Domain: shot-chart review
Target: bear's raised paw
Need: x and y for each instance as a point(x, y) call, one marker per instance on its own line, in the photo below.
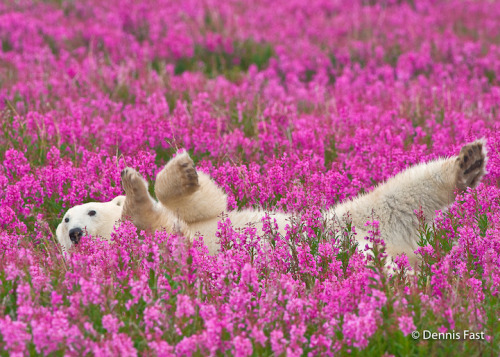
point(177, 179)
point(471, 163)
point(189, 176)
point(134, 185)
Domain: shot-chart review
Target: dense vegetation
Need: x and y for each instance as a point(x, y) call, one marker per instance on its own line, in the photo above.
point(288, 104)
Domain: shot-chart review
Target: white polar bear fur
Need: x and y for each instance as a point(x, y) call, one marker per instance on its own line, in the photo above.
point(190, 203)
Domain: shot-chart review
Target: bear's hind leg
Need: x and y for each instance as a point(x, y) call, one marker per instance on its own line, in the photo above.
point(177, 179)
point(192, 196)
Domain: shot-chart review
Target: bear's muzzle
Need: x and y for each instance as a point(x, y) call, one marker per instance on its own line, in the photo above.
point(75, 234)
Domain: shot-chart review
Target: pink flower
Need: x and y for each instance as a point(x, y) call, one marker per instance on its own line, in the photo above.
point(242, 346)
point(111, 323)
point(278, 343)
point(406, 325)
point(15, 335)
point(184, 306)
point(358, 329)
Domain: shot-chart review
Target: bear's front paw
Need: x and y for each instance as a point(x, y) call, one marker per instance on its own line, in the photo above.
point(471, 163)
point(132, 182)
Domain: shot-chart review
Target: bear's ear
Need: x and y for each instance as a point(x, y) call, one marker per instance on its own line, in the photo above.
point(119, 201)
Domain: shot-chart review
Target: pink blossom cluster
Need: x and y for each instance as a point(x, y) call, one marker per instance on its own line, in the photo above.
point(288, 105)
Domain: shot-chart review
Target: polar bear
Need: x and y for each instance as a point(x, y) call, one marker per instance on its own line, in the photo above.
point(191, 204)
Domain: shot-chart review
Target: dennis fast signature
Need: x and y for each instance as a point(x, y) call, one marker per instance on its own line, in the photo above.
point(453, 335)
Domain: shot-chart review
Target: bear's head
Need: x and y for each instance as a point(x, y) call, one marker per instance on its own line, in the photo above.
point(93, 218)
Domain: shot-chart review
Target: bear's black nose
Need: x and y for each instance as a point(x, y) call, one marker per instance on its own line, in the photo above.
point(75, 235)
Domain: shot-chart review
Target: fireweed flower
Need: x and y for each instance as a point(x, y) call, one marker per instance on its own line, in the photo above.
point(184, 307)
point(406, 325)
point(14, 335)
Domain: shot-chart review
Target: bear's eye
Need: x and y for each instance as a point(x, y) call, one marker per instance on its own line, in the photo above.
point(66, 219)
point(92, 213)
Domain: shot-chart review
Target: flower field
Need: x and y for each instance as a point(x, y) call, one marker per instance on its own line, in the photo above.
point(290, 105)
